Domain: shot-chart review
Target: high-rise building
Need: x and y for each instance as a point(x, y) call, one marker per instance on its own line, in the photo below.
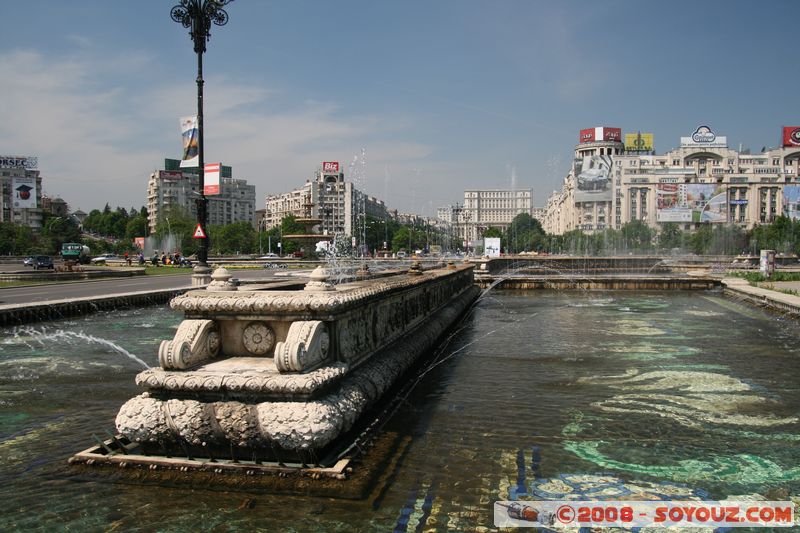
point(21, 198)
point(328, 197)
point(175, 186)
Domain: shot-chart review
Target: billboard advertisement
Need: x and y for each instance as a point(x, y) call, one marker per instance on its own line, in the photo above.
point(170, 175)
point(593, 176)
point(330, 167)
point(642, 142)
point(23, 191)
point(16, 161)
point(191, 141)
point(600, 134)
point(704, 136)
point(791, 136)
point(691, 202)
point(791, 201)
point(491, 246)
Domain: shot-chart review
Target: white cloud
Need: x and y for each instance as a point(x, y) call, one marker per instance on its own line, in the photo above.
point(98, 138)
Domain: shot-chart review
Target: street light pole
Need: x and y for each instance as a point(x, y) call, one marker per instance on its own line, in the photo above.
point(198, 16)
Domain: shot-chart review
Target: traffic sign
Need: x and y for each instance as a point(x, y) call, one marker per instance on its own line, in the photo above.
point(199, 233)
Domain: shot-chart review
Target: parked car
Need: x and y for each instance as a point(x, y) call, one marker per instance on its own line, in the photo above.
point(43, 261)
point(105, 257)
point(28, 261)
point(269, 256)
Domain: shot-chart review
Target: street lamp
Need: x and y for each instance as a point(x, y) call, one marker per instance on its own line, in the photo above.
point(198, 15)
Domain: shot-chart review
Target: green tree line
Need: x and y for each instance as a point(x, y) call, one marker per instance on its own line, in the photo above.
point(110, 230)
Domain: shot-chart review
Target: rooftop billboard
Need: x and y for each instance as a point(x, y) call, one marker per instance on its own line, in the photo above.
point(791, 136)
point(600, 134)
point(705, 137)
point(639, 142)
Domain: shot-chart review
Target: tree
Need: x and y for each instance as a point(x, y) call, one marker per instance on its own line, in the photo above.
point(637, 235)
point(671, 236)
point(525, 233)
point(700, 240)
point(238, 237)
point(58, 230)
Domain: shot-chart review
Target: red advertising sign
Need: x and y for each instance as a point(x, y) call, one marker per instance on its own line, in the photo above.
point(601, 134)
point(170, 175)
point(330, 167)
point(612, 134)
point(791, 136)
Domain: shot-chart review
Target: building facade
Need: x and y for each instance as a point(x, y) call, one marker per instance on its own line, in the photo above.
point(703, 180)
point(484, 209)
point(175, 186)
point(327, 197)
point(21, 198)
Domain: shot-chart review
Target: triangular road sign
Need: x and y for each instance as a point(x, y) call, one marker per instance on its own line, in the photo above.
point(199, 233)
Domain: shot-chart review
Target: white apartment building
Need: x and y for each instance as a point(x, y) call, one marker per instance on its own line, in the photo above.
point(702, 180)
point(174, 186)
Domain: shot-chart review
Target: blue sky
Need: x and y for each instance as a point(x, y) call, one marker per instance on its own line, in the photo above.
point(442, 95)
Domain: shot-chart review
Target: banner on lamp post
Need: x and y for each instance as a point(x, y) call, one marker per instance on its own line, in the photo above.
point(211, 181)
point(191, 141)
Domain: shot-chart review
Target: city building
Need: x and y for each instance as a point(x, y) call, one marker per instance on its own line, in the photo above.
point(21, 198)
point(484, 209)
point(175, 186)
point(703, 180)
point(55, 206)
point(328, 197)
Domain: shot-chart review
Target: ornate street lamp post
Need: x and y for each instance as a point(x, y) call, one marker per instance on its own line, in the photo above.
point(198, 15)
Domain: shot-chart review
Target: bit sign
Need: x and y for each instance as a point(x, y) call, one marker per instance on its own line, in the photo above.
point(330, 167)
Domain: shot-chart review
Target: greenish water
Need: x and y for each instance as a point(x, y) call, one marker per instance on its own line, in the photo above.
point(552, 395)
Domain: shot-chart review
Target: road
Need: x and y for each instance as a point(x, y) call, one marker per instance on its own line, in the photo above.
point(108, 287)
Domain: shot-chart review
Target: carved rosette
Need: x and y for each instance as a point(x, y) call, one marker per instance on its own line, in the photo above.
point(306, 347)
point(258, 338)
point(194, 342)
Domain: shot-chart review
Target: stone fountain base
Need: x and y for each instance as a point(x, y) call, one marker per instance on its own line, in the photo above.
point(258, 382)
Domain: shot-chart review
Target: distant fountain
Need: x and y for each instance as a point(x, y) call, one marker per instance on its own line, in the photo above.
point(167, 244)
point(309, 238)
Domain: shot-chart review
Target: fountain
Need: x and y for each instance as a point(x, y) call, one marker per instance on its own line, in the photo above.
point(270, 383)
point(309, 238)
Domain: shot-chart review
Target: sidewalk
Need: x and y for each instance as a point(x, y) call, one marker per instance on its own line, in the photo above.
point(763, 297)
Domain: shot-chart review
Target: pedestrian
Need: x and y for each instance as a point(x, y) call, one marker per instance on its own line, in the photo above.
point(164, 259)
point(141, 258)
point(154, 260)
point(127, 258)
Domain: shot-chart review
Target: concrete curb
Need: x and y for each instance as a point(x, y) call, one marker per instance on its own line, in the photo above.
point(776, 301)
